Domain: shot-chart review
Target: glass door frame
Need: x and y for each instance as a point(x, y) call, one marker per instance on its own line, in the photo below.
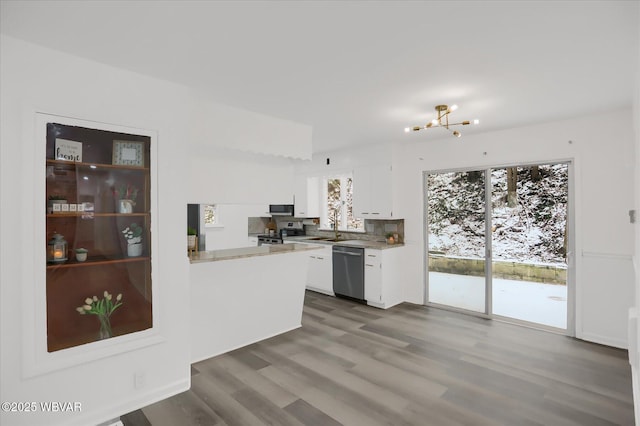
point(488, 313)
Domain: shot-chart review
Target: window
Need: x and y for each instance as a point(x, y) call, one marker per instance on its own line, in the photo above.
point(210, 215)
point(338, 208)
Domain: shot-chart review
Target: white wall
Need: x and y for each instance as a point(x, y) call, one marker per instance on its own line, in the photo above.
point(241, 157)
point(602, 154)
point(634, 351)
point(233, 229)
point(35, 79)
point(233, 128)
point(220, 175)
point(344, 160)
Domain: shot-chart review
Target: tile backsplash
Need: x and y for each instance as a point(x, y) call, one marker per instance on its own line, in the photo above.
point(256, 225)
point(375, 230)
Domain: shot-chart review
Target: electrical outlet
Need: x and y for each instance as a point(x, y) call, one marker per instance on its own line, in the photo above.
point(139, 379)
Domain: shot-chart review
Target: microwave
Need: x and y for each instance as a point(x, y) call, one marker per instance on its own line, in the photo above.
point(281, 209)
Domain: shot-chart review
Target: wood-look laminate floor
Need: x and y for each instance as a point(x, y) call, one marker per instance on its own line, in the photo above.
point(351, 364)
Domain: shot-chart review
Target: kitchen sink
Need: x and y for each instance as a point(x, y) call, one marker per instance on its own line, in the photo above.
point(327, 239)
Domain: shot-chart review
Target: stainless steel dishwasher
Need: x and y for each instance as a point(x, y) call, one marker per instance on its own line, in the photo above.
point(348, 272)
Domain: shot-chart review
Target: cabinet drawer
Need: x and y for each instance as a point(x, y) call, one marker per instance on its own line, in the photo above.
point(372, 258)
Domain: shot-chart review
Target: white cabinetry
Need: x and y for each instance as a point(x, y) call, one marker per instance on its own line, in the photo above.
point(382, 279)
point(253, 241)
point(319, 272)
point(307, 197)
point(373, 276)
point(372, 196)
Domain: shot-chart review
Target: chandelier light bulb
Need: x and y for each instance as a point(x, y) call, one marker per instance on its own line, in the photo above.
point(443, 120)
point(407, 129)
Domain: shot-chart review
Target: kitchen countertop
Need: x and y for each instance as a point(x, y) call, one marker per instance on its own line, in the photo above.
point(238, 253)
point(377, 245)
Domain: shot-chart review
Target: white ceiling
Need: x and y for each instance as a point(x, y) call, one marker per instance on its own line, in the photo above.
point(359, 72)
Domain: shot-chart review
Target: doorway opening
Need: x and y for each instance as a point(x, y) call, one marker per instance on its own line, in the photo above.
point(497, 243)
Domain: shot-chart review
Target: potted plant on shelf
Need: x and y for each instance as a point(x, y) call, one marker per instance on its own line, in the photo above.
point(81, 254)
point(133, 235)
point(102, 308)
point(191, 237)
point(390, 238)
point(125, 198)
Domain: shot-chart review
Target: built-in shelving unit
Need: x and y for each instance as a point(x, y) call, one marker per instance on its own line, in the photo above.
point(93, 219)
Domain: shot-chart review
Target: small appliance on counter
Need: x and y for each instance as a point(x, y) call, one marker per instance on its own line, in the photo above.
point(292, 229)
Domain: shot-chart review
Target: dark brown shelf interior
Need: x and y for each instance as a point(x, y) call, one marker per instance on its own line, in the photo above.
point(99, 230)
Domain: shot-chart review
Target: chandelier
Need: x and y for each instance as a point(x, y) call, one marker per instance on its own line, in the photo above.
point(443, 121)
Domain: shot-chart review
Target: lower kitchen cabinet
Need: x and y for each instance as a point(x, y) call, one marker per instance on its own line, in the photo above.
point(382, 285)
point(319, 272)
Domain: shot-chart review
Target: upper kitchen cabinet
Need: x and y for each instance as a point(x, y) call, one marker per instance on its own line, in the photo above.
point(372, 197)
point(307, 197)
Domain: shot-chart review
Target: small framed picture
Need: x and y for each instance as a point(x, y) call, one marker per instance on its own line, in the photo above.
point(73, 207)
point(57, 208)
point(64, 207)
point(128, 153)
point(67, 150)
point(81, 207)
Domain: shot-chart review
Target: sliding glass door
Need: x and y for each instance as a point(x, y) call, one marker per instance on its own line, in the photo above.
point(529, 243)
point(456, 239)
point(497, 241)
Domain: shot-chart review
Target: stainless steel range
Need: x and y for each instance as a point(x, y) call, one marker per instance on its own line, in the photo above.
point(265, 239)
point(288, 229)
point(292, 229)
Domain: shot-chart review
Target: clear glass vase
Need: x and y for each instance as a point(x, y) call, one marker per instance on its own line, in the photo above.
point(105, 327)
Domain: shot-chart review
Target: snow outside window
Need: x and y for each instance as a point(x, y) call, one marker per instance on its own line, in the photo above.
point(210, 215)
point(338, 208)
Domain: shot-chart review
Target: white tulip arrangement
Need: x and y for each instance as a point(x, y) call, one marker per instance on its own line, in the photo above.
point(102, 308)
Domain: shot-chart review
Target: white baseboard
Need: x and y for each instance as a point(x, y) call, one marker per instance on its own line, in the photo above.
point(604, 340)
point(317, 290)
point(636, 393)
point(233, 348)
point(106, 413)
point(114, 422)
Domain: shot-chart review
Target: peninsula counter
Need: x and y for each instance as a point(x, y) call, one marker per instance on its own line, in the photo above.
point(241, 296)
